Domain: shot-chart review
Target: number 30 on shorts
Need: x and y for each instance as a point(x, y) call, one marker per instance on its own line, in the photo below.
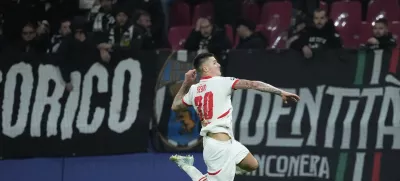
point(205, 105)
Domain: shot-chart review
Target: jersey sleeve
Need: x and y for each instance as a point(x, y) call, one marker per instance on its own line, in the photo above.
point(229, 82)
point(187, 98)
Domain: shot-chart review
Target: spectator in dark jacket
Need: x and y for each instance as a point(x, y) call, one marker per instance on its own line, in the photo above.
point(382, 38)
point(249, 39)
point(30, 40)
point(156, 13)
point(207, 38)
point(125, 37)
point(63, 32)
point(295, 31)
point(103, 20)
point(319, 36)
point(144, 27)
point(77, 52)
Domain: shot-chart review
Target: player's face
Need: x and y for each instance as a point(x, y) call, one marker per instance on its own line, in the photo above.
point(379, 30)
point(212, 67)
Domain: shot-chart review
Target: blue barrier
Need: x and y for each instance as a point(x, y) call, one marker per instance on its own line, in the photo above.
point(134, 167)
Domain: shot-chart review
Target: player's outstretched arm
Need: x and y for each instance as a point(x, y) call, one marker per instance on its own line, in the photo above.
point(264, 87)
point(178, 105)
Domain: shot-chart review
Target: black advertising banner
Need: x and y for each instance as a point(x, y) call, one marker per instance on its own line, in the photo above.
point(345, 128)
point(105, 113)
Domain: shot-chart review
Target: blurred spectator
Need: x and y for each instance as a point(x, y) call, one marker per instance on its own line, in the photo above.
point(295, 32)
point(92, 5)
point(248, 38)
point(17, 12)
point(102, 20)
point(30, 41)
point(156, 13)
point(78, 51)
point(43, 28)
point(207, 38)
point(28, 36)
point(58, 38)
point(144, 27)
point(319, 36)
point(121, 35)
point(382, 38)
point(96, 6)
point(125, 37)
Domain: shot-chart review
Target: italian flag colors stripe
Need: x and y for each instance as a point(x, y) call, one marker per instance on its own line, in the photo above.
point(359, 80)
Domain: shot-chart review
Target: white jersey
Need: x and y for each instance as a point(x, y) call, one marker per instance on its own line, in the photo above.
point(211, 98)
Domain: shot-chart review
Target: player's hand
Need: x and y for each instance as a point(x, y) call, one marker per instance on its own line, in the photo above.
point(190, 76)
point(287, 96)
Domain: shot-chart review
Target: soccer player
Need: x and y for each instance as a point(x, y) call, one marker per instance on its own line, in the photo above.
point(211, 98)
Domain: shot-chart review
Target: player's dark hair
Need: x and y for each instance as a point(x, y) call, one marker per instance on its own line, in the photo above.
point(199, 60)
point(383, 21)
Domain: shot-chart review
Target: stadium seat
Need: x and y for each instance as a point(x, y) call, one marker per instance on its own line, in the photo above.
point(394, 28)
point(323, 5)
point(276, 14)
point(229, 33)
point(180, 14)
point(377, 9)
point(177, 36)
point(277, 18)
point(251, 11)
point(346, 16)
point(205, 10)
point(352, 40)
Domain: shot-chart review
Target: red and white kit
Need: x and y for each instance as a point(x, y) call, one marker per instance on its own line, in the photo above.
point(211, 98)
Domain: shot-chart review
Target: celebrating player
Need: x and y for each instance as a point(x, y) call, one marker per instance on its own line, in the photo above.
point(211, 98)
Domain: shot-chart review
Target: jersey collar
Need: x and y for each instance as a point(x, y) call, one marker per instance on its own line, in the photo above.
point(205, 77)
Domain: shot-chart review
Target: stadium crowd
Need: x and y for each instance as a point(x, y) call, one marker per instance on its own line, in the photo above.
point(72, 30)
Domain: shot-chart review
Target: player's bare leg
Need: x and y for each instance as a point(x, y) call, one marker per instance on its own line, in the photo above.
point(248, 164)
point(186, 164)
